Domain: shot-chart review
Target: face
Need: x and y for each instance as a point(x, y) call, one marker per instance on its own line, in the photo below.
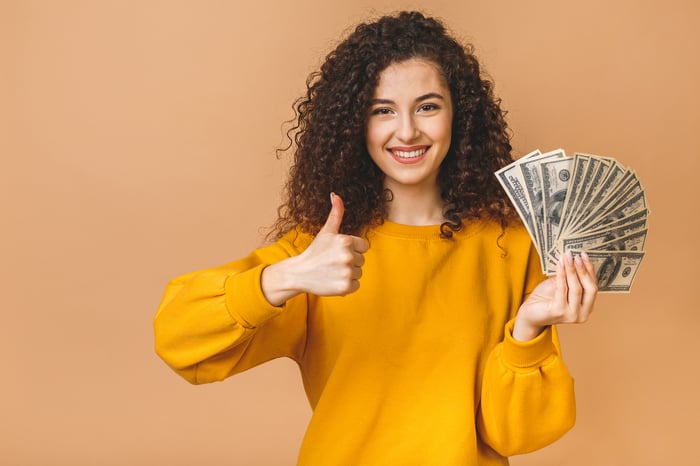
point(409, 126)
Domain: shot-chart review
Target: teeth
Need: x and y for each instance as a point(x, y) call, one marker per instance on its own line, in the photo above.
point(410, 155)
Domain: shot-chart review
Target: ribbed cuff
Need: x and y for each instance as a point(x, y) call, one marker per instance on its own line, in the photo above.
point(245, 300)
point(527, 354)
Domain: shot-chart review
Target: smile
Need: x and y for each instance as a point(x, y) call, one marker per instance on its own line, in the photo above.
point(408, 154)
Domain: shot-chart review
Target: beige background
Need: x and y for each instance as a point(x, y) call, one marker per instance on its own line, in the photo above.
point(137, 142)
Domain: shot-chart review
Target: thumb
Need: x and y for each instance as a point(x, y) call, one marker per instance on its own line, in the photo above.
point(335, 217)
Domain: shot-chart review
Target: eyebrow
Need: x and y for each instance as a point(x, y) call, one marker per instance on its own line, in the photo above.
point(429, 95)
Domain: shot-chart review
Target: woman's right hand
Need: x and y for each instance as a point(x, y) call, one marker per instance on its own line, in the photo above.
point(330, 266)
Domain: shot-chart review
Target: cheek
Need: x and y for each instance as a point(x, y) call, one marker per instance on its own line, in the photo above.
point(447, 133)
point(374, 136)
point(441, 130)
point(447, 126)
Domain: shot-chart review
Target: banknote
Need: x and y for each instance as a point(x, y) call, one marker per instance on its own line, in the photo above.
point(556, 175)
point(625, 237)
point(530, 169)
point(615, 270)
point(614, 175)
point(628, 186)
point(582, 203)
point(579, 164)
point(629, 207)
point(511, 178)
point(595, 172)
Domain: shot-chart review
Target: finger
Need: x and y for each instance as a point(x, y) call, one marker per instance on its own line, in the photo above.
point(360, 244)
point(356, 273)
point(586, 272)
point(335, 217)
point(561, 290)
point(588, 264)
point(359, 260)
point(590, 286)
point(573, 284)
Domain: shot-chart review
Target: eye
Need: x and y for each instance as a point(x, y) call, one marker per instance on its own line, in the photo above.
point(382, 111)
point(428, 107)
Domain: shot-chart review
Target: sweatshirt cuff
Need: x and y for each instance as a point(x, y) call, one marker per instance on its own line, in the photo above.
point(245, 300)
point(527, 354)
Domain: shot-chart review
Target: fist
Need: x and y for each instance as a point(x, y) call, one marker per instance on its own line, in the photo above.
point(332, 264)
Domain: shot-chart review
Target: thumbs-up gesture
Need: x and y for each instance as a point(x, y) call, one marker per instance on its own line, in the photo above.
point(333, 262)
point(330, 266)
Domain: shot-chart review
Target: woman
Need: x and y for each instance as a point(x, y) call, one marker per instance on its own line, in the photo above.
point(415, 308)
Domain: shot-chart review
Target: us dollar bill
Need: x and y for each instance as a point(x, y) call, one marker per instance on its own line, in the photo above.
point(615, 270)
point(579, 163)
point(632, 202)
point(581, 203)
point(609, 184)
point(620, 193)
point(533, 187)
point(595, 172)
point(556, 176)
point(631, 242)
point(625, 237)
point(584, 182)
point(511, 178)
point(625, 221)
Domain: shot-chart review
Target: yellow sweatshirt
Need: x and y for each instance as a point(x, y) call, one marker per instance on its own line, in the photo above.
point(417, 367)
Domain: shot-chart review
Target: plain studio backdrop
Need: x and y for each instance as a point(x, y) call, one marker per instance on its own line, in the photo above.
point(138, 143)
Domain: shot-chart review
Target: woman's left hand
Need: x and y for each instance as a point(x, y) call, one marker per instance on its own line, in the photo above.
point(567, 297)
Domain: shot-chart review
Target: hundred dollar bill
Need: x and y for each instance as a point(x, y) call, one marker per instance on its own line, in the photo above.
point(583, 220)
point(581, 203)
point(595, 172)
point(533, 187)
point(625, 237)
point(631, 189)
point(511, 178)
point(629, 233)
point(584, 183)
point(615, 270)
point(626, 182)
point(556, 175)
point(630, 203)
point(579, 165)
point(631, 242)
point(625, 222)
point(609, 184)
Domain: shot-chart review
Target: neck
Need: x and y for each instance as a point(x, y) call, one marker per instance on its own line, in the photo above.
point(413, 206)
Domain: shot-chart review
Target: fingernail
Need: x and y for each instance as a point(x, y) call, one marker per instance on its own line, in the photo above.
point(577, 259)
point(584, 255)
point(569, 258)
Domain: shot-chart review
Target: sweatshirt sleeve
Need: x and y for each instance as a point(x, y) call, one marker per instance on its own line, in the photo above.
point(216, 322)
point(527, 399)
point(527, 393)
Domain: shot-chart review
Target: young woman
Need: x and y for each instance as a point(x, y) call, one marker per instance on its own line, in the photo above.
point(401, 281)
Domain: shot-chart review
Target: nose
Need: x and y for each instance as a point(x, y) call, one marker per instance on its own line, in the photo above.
point(407, 130)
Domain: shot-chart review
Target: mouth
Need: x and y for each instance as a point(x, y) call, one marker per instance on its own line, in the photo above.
point(408, 154)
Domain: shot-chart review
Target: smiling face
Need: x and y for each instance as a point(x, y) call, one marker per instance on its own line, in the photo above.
point(409, 126)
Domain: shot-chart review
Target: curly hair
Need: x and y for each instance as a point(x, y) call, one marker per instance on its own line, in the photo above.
point(327, 135)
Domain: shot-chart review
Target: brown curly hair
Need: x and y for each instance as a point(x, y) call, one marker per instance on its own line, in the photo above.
point(330, 154)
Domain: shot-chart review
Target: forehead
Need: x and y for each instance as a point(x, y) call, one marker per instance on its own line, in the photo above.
point(414, 76)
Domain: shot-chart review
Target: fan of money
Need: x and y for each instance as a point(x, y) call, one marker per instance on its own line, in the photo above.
point(581, 203)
